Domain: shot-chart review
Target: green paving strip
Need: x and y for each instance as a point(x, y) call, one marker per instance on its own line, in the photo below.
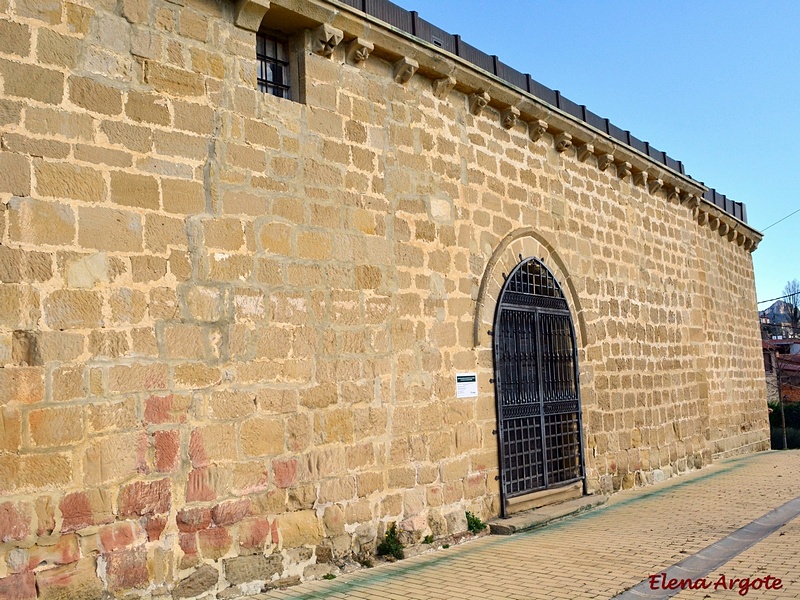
point(442, 557)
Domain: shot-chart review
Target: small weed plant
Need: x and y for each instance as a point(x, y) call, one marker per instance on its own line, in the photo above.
point(428, 539)
point(474, 523)
point(391, 544)
point(329, 576)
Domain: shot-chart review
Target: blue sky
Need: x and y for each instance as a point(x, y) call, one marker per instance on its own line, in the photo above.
point(714, 84)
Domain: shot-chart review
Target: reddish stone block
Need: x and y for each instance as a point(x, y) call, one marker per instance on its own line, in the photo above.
point(76, 511)
point(119, 536)
point(199, 488)
point(77, 580)
point(154, 526)
point(188, 543)
point(15, 521)
point(214, 543)
point(166, 409)
point(254, 533)
point(18, 587)
point(229, 513)
point(82, 509)
point(167, 446)
point(197, 450)
point(145, 498)
point(63, 552)
point(193, 519)
point(285, 472)
point(126, 569)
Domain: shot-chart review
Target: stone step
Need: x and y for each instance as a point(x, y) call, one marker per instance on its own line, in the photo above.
point(539, 517)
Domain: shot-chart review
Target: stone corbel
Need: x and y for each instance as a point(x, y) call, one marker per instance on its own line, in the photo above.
point(674, 194)
point(359, 50)
point(640, 178)
point(624, 169)
point(443, 86)
point(702, 217)
point(563, 142)
point(723, 228)
point(508, 118)
point(324, 39)
point(404, 69)
point(655, 185)
point(604, 161)
point(250, 13)
point(585, 151)
point(536, 129)
point(690, 200)
point(734, 234)
point(477, 102)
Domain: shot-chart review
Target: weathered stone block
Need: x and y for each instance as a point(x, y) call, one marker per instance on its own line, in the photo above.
point(174, 81)
point(21, 385)
point(183, 197)
point(109, 229)
point(138, 191)
point(230, 513)
point(15, 38)
point(78, 580)
point(261, 436)
point(15, 521)
point(214, 543)
point(244, 569)
point(16, 170)
point(167, 448)
point(202, 580)
point(191, 520)
point(32, 81)
point(254, 533)
point(145, 498)
point(73, 309)
point(114, 457)
point(20, 586)
point(56, 426)
point(299, 529)
point(95, 96)
point(127, 569)
point(52, 48)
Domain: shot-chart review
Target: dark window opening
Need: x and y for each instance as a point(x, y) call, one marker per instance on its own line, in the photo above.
point(272, 54)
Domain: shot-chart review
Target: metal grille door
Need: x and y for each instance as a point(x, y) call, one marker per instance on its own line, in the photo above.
point(536, 384)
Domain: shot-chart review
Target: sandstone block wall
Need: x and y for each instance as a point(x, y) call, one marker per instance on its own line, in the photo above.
point(230, 323)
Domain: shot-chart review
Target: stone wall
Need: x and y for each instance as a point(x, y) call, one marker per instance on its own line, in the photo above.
point(230, 323)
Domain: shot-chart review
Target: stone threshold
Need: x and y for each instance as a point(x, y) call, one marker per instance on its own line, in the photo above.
point(540, 517)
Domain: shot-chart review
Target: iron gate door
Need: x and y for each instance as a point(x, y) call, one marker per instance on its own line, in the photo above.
point(536, 384)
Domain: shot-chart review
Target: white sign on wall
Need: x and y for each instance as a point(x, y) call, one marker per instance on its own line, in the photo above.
point(466, 385)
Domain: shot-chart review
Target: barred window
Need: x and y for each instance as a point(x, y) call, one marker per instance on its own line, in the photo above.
point(273, 65)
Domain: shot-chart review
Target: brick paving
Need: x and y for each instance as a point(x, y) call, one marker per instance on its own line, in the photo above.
point(601, 554)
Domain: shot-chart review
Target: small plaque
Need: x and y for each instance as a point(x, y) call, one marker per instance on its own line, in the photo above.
point(466, 385)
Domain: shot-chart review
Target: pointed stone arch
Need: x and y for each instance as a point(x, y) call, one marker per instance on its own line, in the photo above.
point(517, 245)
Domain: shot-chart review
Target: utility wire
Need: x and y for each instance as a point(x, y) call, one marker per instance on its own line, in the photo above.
point(773, 299)
point(783, 219)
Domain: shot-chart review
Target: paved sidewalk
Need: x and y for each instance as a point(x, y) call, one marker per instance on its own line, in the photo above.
point(603, 553)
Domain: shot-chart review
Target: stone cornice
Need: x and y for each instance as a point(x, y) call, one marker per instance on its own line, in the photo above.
point(567, 132)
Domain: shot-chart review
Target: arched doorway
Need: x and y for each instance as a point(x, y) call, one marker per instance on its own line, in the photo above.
point(536, 385)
